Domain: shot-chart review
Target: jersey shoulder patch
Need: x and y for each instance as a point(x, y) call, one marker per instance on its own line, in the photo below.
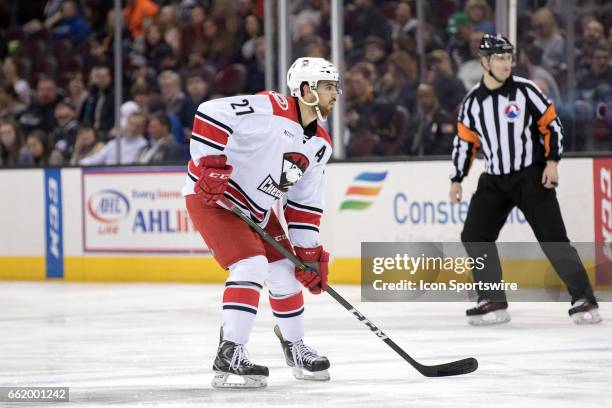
point(282, 105)
point(322, 133)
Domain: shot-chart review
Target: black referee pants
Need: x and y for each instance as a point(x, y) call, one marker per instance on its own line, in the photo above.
point(489, 207)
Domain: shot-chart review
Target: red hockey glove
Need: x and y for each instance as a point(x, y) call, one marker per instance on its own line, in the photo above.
point(214, 177)
point(317, 259)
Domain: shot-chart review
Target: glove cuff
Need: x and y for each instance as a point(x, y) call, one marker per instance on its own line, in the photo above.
point(310, 254)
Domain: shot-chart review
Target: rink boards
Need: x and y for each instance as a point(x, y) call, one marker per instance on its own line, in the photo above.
point(130, 223)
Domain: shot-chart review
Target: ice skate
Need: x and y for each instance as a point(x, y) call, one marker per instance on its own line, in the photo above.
point(585, 312)
point(233, 369)
point(487, 313)
point(306, 364)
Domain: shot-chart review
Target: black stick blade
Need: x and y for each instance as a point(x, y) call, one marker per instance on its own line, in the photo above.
point(459, 367)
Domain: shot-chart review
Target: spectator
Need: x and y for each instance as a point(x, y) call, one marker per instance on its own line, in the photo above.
point(69, 23)
point(140, 95)
point(99, 108)
point(253, 30)
point(531, 58)
point(403, 22)
point(433, 126)
point(592, 34)
point(36, 150)
point(12, 74)
point(364, 19)
point(138, 14)
point(154, 46)
point(449, 89)
point(256, 68)
point(459, 44)
point(170, 87)
point(359, 97)
point(398, 84)
point(470, 72)
point(77, 92)
point(62, 138)
point(548, 38)
point(599, 77)
point(390, 123)
point(219, 44)
point(11, 142)
point(192, 33)
point(86, 145)
point(132, 144)
point(375, 54)
point(480, 15)
point(198, 90)
point(40, 115)
point(163, 148)
point(10, 105)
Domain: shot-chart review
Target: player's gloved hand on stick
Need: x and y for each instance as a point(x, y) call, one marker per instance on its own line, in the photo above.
point(318, 259)
point(214, 178)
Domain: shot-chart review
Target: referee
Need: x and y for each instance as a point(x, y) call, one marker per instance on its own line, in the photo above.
point(521, 136)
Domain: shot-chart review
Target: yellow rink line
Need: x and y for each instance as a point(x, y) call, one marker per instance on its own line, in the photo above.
point(205, 269)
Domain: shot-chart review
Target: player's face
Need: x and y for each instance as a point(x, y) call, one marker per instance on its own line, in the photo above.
point(328, 93)
point(501, 65)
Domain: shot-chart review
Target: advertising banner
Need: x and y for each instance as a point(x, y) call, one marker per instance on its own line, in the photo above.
point(602, 184)
point(135, 210)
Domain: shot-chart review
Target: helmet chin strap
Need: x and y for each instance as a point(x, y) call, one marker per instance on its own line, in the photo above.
point(315, 104)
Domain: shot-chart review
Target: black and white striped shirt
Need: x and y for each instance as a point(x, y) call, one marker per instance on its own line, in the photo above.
point(515, 126)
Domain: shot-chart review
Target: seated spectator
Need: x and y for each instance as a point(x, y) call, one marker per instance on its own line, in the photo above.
point(68, 23)
point(10, 105)
point(99, 108)
point(171, 91)
point(480, 15)
point(434, 128)
point(470, 72)
point(391, 124)
point(12, 74)
point(86, 145)
point(592, 35)
point(192, 32)
point(138, 14)
point(163, 149)
point(41, 114)
point(62, 138)
point(548, 38)
point(256, 69)
point(598, 79)
point(458, 47)
point(359, 97)
point(531, 58)
point(375, 54)
point(77, 91)
point(364, 19)
point(198, 91)
point(449, 89)
point(132, 144)
point(403, 22)
point(11, 141)
point(397, 86)
point(36, 150)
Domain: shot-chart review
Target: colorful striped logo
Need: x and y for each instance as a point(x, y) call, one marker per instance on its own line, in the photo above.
point(363, 190)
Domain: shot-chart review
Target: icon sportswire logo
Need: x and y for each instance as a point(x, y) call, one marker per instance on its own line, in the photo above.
point(363, 190)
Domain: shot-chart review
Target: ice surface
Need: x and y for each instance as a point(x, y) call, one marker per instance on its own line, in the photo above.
point(130, 345)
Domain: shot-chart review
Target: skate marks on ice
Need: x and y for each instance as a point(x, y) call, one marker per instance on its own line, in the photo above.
point(153, 345)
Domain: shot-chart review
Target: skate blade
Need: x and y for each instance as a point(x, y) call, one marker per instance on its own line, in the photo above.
point(220, 381)
point(491, 318)
point(590, 317)
point(301, 374)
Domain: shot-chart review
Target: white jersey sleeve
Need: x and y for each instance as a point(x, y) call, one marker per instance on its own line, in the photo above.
point(304, 202)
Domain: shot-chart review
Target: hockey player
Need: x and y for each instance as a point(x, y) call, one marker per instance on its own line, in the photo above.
point(522, 139)
point(249, 151)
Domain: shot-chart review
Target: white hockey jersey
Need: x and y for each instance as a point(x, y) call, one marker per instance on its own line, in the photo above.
point(272, 155)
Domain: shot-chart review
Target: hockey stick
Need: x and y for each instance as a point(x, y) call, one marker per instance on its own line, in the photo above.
point(465, 366)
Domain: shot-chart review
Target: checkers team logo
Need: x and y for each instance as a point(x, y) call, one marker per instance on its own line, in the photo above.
point(512, 111)
point(363, 190)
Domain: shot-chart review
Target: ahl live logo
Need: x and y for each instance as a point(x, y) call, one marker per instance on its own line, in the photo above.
point(363, 190)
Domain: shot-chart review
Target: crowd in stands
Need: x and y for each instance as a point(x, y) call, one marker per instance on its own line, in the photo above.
point(57, 95)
